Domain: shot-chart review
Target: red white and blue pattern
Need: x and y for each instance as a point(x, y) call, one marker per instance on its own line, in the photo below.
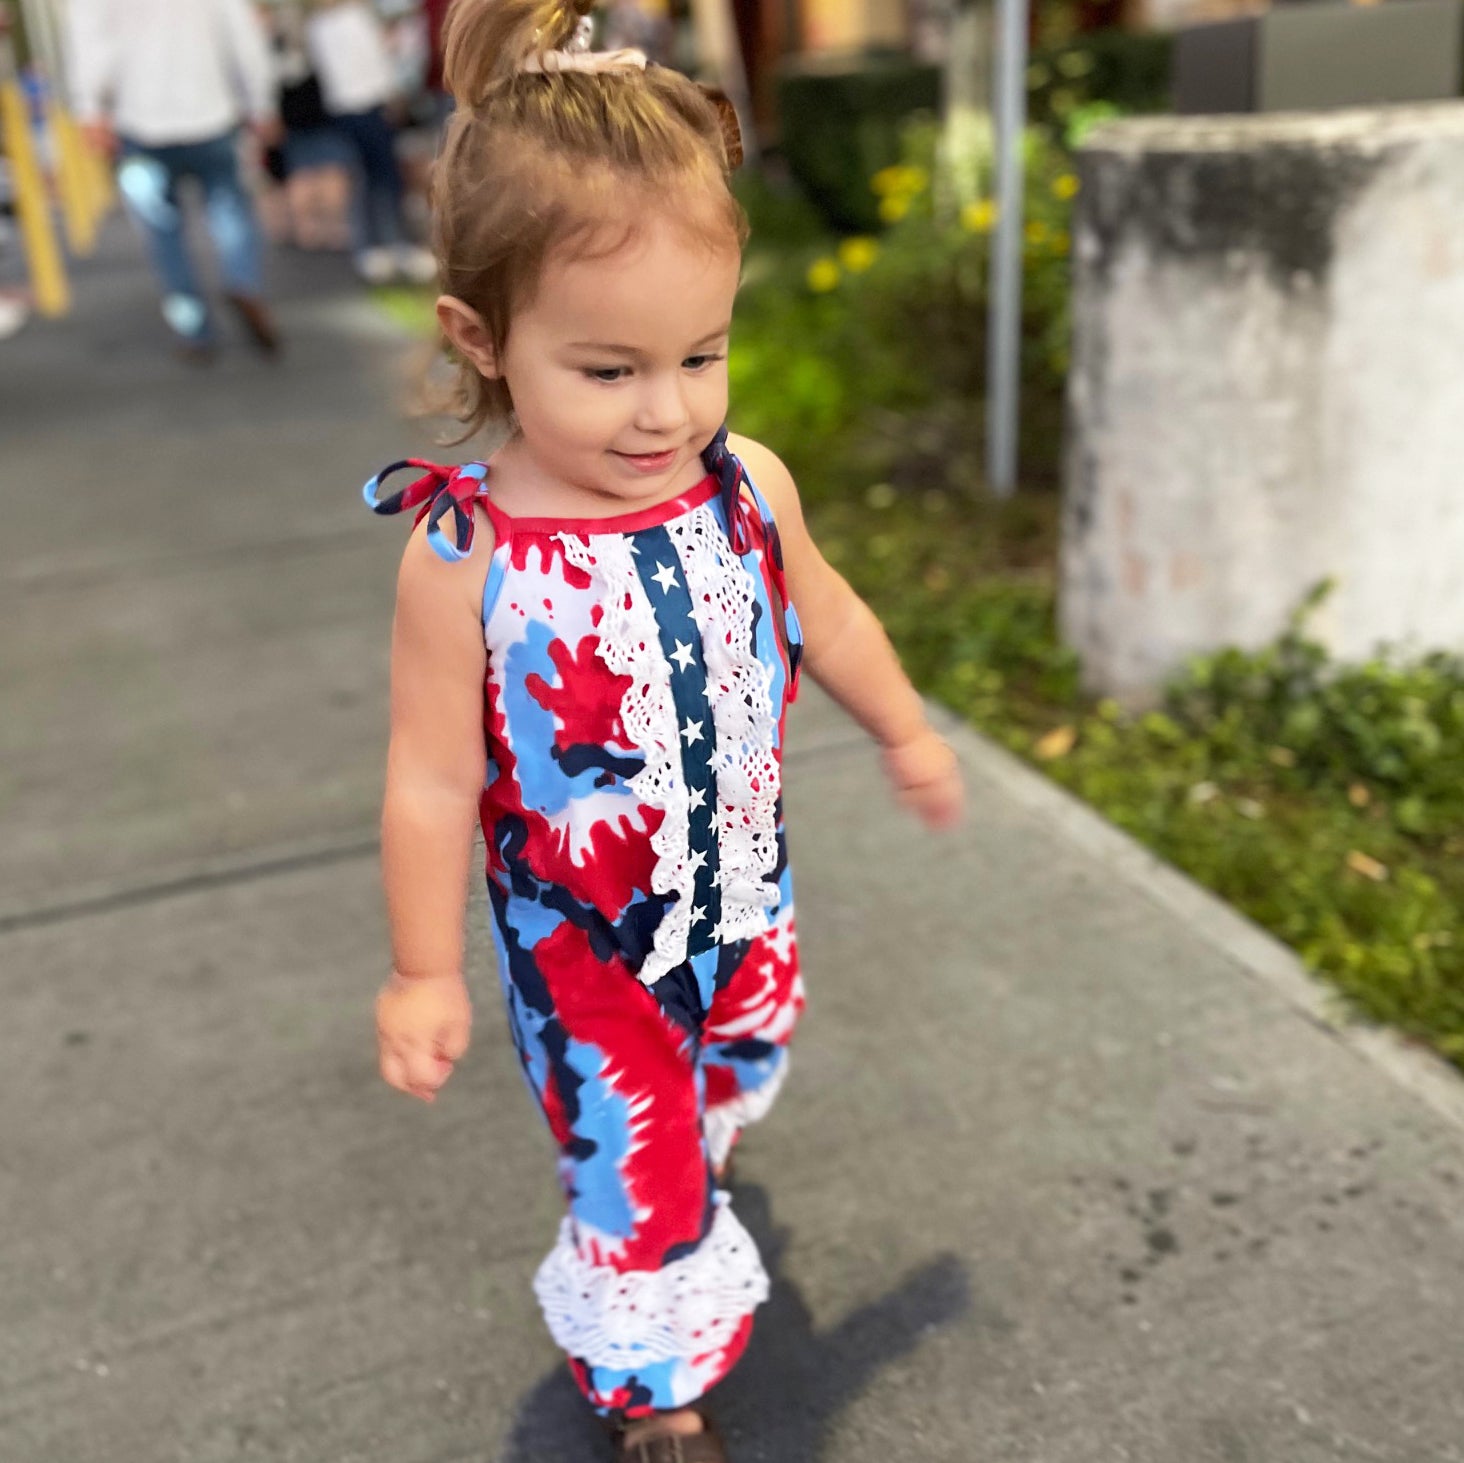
point(639, 669)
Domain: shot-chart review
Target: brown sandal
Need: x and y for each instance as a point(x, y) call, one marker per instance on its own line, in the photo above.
point(703, 1447)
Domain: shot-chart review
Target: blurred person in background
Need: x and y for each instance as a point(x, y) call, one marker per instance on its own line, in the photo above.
point(312, 165)
point(165, 86)
point(15, 305)
point(15, 302)
point(348, 49)
point(434, 12)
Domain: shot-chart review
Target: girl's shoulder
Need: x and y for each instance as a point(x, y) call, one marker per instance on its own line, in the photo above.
point(451, 587)
point(423, 548)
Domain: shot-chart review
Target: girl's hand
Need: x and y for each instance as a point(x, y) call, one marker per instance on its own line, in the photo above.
point(927, 779)
point(422, 1025)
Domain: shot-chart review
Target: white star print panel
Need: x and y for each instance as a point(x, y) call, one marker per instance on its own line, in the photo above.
point(745, 723)
point(741, 726)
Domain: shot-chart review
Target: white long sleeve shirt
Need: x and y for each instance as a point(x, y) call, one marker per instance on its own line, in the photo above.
point(169, 71)
point(352, 60)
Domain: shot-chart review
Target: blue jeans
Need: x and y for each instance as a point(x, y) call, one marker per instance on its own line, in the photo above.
point(149, 179)
point(379, 221)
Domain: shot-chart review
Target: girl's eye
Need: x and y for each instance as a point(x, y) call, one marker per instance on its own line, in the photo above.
point(697, 363)
point(607, 374)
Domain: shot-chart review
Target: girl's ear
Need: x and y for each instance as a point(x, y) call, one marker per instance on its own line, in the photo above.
point(470, 337)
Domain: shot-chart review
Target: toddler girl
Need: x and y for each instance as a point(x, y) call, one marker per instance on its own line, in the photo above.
point(594, 645)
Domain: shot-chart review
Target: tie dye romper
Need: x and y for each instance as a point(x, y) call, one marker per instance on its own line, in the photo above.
point(638, 672)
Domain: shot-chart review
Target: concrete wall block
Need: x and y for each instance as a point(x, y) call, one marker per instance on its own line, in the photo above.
point(1267, 387)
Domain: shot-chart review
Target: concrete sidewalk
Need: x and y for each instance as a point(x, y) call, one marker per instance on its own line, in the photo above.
point(1064, 1172)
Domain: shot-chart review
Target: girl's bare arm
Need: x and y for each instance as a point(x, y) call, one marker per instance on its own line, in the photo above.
point(434, 775)
point(436, 762)
point(848, 653)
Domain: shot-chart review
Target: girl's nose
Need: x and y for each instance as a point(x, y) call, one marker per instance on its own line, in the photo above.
point(662, 406)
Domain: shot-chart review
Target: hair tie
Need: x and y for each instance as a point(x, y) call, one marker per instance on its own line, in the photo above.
point(577, 56)
point(587, 62)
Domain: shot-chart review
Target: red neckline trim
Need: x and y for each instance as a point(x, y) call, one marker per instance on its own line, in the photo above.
point(651, 517)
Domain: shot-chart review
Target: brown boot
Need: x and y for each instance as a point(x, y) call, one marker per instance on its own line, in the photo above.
point(255, 317)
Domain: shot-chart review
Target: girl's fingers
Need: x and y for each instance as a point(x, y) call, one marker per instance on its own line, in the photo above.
point(422, 1028)
point(938, 805)
point(425, 1070)
point(416, 1071)
point(452, 1042)
point(393, 1069)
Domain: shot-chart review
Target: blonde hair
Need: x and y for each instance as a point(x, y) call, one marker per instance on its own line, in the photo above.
point(537, 163)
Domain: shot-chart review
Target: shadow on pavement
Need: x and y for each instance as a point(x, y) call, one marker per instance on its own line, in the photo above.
point(779, 1404)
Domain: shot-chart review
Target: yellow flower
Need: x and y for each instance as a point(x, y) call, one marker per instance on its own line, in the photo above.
point(894, 207)
point(1065, 186)
point(887, 181)
point(856, 255)
point(1057, 743)
point(979, 218)
point(1062, 242)
point(1038, 233)
point(823, 276)
point(900, 180)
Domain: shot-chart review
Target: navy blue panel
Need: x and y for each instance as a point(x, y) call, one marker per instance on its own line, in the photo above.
point(665, 585)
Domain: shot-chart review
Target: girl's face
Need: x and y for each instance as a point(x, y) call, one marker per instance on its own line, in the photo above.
point(618, 369)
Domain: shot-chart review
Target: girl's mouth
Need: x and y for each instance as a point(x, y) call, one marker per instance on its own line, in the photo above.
point(649, 461)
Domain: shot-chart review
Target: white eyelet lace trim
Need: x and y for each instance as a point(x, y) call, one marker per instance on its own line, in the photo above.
point(740, 687)
point(630, 645)
point(721, 1124)
point(690, 1307)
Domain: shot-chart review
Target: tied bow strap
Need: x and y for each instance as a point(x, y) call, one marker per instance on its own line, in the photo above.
point(721, 461)
point(438, 492)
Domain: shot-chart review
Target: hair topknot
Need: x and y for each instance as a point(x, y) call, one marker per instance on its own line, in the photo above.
point(486, 42)
point(535, 163)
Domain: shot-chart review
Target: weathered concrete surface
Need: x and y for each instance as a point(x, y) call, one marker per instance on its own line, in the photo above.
point(1059, 1177)
point(1268, 350)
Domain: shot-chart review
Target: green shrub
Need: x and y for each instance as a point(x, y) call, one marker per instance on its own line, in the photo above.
point(840, 126)
point(835, 336)
point(1113, 73)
